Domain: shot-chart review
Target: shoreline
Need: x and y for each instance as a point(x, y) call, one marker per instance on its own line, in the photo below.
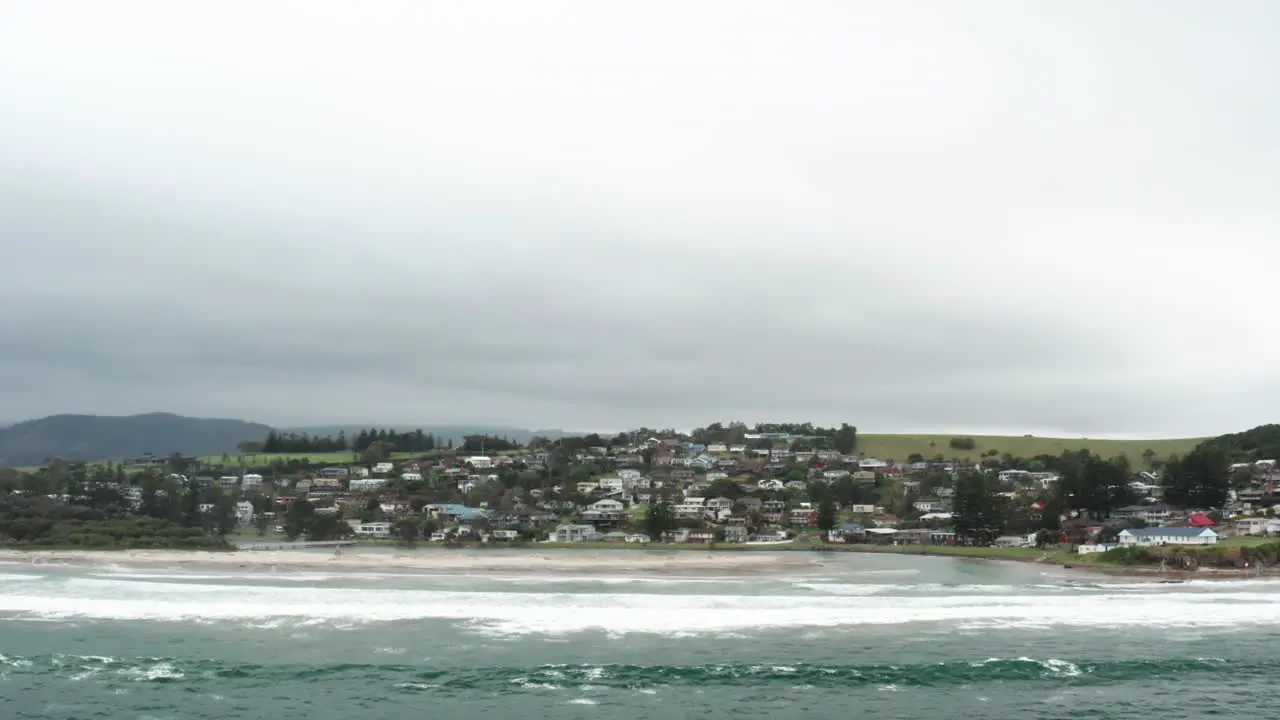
point(428, 559)
point(542, 558)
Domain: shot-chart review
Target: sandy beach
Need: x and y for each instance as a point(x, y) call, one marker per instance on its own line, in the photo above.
point(466, 561)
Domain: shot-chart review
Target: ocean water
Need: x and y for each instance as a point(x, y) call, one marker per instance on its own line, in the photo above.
point(876, 636)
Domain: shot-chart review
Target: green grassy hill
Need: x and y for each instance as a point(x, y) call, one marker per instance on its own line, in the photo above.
point(898, 447)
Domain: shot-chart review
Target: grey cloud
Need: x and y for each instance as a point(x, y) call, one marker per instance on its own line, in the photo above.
point(906, 217)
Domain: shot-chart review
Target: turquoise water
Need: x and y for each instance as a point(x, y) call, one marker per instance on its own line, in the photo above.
point(876, 636)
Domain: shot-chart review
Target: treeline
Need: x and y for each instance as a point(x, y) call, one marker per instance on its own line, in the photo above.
point(98, 514)
point(392, 440)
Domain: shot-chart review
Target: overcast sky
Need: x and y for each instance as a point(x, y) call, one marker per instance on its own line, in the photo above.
point(911, 216)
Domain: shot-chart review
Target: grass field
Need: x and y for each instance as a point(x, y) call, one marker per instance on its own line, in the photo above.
point(899, 447)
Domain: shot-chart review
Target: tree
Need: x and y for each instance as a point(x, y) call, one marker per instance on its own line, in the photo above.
point(846, 438)
point(298, 518)
point(660, 519)
point(378, 451)
point(224, 515)
point(826, 514)
point(1198, 480)
point(408, 532)
point(979, 517)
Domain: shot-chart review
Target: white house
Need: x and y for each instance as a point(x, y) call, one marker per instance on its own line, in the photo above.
point(410, 476)
point(833, 475)
point(928, 505)
point(244, 512)
point(373, 529)
point(608, 506)
point(612, 484)
point(737, 449)
point(719, 503)
point(251, 481)
point(480, 461)
point(717, 448)
point(366, 484)
point(629, 475)
point(770, 484)
point(228, 481)
point(383, 467)
point(1143, 537)
point(872, 464)
point(716, 475)
point(1091, 548)
point(575, 533)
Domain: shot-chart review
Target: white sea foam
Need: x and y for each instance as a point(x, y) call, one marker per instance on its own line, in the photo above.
point(617, 613)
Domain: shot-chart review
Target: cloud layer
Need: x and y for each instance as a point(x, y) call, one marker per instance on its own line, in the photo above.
point(923, 216)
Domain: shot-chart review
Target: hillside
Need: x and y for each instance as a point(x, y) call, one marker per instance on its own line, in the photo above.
point(899, 447)
point(98, 437)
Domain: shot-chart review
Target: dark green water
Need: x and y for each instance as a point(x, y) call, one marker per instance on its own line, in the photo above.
point(874, 636)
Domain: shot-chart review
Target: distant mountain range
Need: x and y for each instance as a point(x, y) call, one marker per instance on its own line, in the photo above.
point(105, 437)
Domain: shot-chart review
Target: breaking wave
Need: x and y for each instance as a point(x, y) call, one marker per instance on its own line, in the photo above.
point(510, 611)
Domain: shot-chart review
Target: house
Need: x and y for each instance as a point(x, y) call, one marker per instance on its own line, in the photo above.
point(411, 476)
point(872, 464)
point(804, 517)
point(1149, 513)
point(608, 506)
point(575, 533)
point(929, 505)
point(737, 449)
point(334, 472)
point(862, 509)
point(251, 481)
point(735, 533)
point(244, 512)
point(373, 529)
point(383, 467)
point(749, 504)
point(1251, 526)
point(717, 448)
point(612, 484)
point(1091, 548)
point(506, 535)
point(842, 533)
point(366, 484)
point(770, 484)
point(714, 476)
point(719, 503)
point(1144, 537)
point(864, 476)
point(228, 481)
point(480, 461)
point(834, 475)
point(691, 509)
point(887, 521)
point(1016, 541)
point(459, 513)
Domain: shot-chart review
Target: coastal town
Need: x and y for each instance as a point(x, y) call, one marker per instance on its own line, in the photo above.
point(797, 486)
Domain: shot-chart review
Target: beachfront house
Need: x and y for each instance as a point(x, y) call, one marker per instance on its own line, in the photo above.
point(373, 529)
point(1145, 537)
point(575, 533)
